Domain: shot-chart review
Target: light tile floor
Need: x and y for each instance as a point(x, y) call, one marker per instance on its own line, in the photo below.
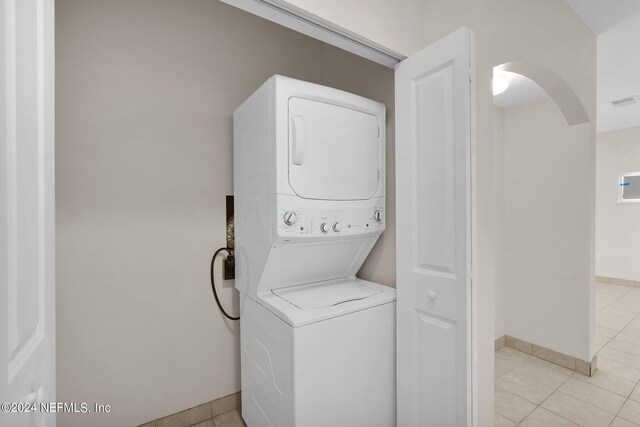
point(532, 392)
point(228, 419)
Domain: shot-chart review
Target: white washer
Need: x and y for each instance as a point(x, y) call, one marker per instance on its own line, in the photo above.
point(317, 344)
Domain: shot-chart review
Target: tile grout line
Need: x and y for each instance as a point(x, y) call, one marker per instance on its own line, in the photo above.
point(621, 406)
point(212, 417)
point(613, 300)
point(602, 388)
point(606, 306)
point(611, 339)
point(536, 404)
point(636, 385)
point(505, 373)
point(618, 332)
point(557, 389)
point(554, 390)
point(615, 336)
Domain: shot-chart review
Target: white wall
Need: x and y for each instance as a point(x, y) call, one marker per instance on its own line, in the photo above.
point(145, 93)
point(543, 262)
point(397, 24)
point(500, 290)
point(617, 224)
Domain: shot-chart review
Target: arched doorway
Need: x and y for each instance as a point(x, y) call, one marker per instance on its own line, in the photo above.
point(544, 293)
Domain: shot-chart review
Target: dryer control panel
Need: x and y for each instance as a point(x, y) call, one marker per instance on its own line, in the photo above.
point(301, 219)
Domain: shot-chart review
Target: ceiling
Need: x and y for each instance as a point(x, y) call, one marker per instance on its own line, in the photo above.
point(603, 15)
point(617, 24)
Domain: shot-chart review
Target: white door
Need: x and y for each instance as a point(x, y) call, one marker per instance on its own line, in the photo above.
point(434, 160)
point(27, 325)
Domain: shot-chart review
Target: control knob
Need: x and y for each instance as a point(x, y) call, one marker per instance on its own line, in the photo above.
point(377, 215)
point(290, 218)
point(324, 227)
point(337, 227)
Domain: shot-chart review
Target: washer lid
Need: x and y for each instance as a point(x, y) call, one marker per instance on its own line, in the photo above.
point(298, 317)
point(326, 294)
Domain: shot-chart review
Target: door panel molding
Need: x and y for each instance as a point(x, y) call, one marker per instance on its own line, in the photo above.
point(435, 224)
point(21, 346)
point(27, 204)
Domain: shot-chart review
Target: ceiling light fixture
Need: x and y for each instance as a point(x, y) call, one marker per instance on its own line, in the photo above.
point(500, 84)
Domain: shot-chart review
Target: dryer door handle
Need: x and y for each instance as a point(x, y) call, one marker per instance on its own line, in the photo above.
point(297, 140)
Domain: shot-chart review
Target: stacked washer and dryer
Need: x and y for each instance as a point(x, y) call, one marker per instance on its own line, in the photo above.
point(317, 343)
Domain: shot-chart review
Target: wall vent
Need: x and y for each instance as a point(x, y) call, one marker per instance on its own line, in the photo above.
point(623, 102)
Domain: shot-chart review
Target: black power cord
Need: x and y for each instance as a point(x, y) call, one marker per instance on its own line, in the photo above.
point(213, 284)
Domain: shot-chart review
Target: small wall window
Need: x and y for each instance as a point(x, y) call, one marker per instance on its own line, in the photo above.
point(629, 191)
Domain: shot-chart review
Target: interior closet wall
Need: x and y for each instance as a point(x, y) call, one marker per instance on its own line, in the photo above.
point(145, 95)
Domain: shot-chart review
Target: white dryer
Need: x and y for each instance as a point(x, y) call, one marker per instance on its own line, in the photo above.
point(317, 343)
